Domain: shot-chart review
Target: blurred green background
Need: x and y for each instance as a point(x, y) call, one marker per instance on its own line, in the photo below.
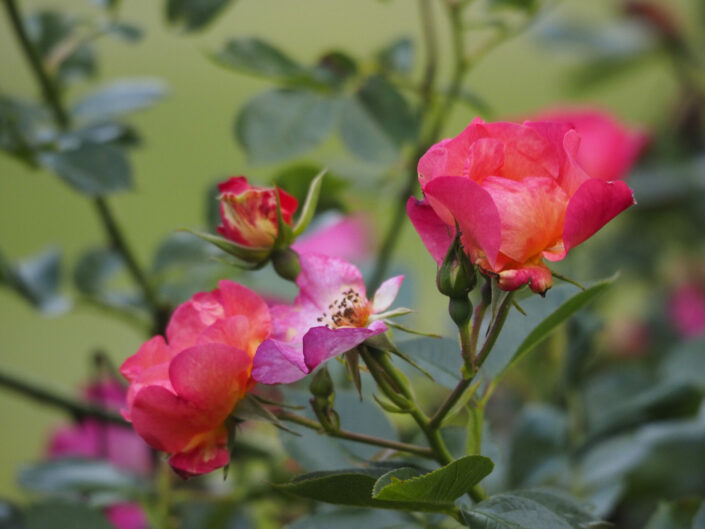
point(188, 143)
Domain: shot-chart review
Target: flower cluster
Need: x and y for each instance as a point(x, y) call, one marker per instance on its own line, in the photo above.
point(518, 193)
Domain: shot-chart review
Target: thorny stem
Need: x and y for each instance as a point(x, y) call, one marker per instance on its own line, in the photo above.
point(356, 437)
point(40, 393)
point(52, 97)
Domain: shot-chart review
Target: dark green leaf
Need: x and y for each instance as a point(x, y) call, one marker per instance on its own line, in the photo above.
point(125, 31)
point(56, 514)
point(351, 519)
point(19, 127)
point(675, 515)
point(93, 169)
point(182, 249)
point(397, 57)
point(256, 57)
point(281, 124)
point(296, 180)
point(193, 15)
point(528, 5)
point(544, 329)
point(377, 122)
point(531, 509)
point(79, 476)
point(439, 357)
point(94, 268)
point(10, 516)
point(442, 486)
point(335, 68)
point(685, 364)
point(118, 98)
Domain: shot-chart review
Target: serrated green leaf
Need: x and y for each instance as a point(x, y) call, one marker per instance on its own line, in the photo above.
point(309, 207)
point(118, 98)
point(531, 509)
point(281, 124)
point(377, 121)
point(194, 15)
point(544, 329)
point(55, 514)
point(440, 487)
point(93, 169)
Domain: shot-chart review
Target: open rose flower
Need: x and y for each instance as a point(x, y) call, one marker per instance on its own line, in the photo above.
point(183, 389)
point(120, 445)
point(249, 213)
point(518, 195)
point(330, 316)
point(607, 148)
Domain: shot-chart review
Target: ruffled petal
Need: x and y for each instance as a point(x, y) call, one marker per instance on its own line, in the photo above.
point(190, 319)
point(241, 301)
point(593, 205)
point(278, 363)
point(386, 294)
point(153, 352)
point(538, 276)
point(322, 279)
point(209, 453)
point(322, 343)
point(473, 208)
point(435, 234)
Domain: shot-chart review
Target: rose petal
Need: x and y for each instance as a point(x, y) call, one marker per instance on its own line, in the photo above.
point(435, 234)
point(347, 238)
point(386, 294)
point(209, 454)
point(538, 276)
point(527, 152)
point(593, 205)
point(322, 279)
point(190, 319)
point(241, 301)
point(474, 210)
point(232, 331)
point(322, 343)
point(278, 363)
point(151, 353)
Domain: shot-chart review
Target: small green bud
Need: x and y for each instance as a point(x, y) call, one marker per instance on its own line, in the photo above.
point(286, 263)
point(322, 384)
point(456, 276)
point(460, 310)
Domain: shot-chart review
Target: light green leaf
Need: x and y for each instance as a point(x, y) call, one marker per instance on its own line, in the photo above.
point(309, 207)
point(118, 98)
point(93, 169)
point(440, 487)
point(531, 509)
point(281, 124)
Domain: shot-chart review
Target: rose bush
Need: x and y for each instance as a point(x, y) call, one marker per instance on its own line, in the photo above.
point(183, 389)
point(518, 195)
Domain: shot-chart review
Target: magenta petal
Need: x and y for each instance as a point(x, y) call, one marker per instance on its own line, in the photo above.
point(386, 294)
point(593, 205)
point(435, 234)
point(322, 343)
point(323, 278)
point(278, 363)
point(474, 210)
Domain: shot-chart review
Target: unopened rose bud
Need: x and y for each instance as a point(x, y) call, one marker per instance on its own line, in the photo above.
point(460, 310)
point(249, 213)
point(286, 263)
point(322, 384)
point(456, 276)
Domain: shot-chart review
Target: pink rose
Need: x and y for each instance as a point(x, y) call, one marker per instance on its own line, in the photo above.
point(248, 213)
point(183, 389)
point(347, 238)
point(686, 309)
point(518, 195)
point(119, 445)
point(607, 149)
point(330, 316)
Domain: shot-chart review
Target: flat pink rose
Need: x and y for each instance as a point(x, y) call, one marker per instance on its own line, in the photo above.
point(249, 213)
point(608, 149)
point(518, 195)
point(183, 389)
point(330, 316)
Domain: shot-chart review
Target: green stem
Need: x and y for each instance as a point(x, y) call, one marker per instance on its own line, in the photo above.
point(163, 507)
point(465, 333)
point(40, 393)
point(495, 329)
point(356, 437)
point(49, 91)
point(52, 98)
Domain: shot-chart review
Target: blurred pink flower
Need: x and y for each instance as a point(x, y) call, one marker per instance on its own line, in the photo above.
point(627, 337)
point(117, 444)
point(686, 309)
point(346, 238)
point(608, 149)
point(330, 316)
point(183, 389)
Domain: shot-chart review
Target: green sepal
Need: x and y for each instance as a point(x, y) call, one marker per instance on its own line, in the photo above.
point(246, 253)
point(309, 208)
point(250, 408)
